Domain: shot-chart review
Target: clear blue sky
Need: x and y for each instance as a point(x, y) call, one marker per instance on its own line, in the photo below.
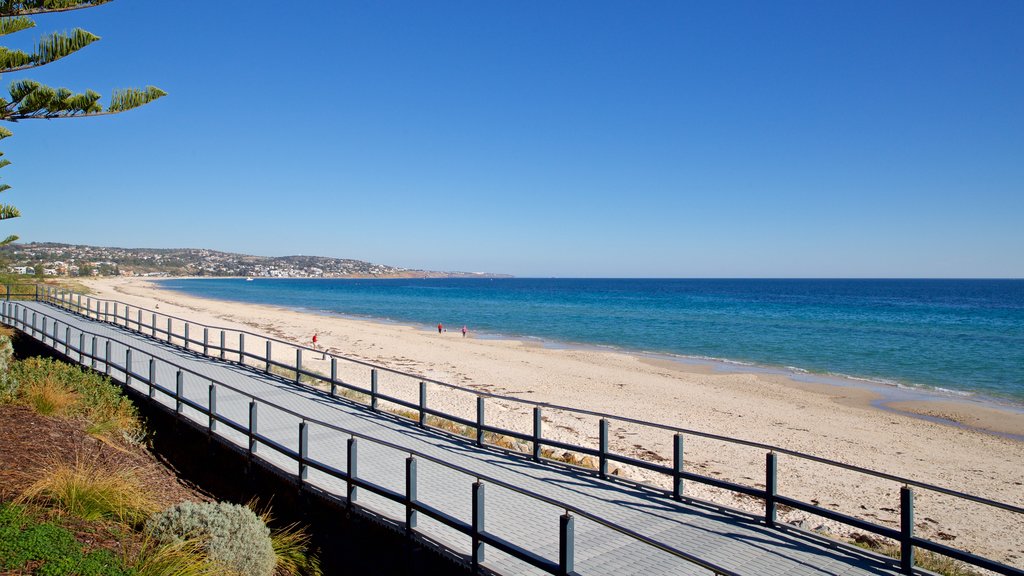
point(584, 138)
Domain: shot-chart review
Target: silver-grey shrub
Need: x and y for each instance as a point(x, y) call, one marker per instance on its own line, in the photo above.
point(237, 538)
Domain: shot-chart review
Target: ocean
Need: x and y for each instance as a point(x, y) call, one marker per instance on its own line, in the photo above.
point(958, 337)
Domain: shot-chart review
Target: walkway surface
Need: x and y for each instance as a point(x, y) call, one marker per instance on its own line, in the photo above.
point(731, 540)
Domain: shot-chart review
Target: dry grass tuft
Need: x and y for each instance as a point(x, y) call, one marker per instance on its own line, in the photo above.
point(292, 546)
point(184, 558)
point(92, 490)
point(50, 397)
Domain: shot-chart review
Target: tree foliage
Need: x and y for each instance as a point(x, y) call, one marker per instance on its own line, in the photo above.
point(33, 100)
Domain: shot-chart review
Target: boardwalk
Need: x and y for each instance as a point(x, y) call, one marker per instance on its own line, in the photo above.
point(733, 541)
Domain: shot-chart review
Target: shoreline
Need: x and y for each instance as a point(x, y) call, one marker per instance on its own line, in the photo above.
point(968, 410)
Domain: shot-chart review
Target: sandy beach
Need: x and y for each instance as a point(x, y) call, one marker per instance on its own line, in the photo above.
point(836, 422)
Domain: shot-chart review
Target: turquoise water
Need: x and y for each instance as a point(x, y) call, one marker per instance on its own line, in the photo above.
point(964, 336)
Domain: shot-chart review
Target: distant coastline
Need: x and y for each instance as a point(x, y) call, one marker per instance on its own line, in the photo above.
point(73, 260)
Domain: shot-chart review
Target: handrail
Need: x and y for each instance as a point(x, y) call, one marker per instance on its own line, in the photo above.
point(126, 370)
point(64, 299)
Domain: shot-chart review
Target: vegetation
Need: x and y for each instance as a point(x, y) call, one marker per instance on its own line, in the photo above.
point(236, 538)
point(26, 541)
point(83, 494)
point(92, 490)
point(30, 99)
point(55, 388)
point(925, 559)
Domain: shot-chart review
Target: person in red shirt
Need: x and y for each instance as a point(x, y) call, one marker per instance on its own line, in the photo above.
point(316, 346)
point(439, 327)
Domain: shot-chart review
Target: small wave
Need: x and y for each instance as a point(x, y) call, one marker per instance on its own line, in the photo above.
point(963, 393)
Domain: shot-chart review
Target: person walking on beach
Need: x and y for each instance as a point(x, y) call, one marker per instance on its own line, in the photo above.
point(316, 346)
point(463, 331)
point(440, 328)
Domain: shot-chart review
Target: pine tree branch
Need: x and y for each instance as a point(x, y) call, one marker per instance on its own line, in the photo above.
point(7, 212)
point(8, 240)
point(30, 7)
point(12, 24)
point(48, 49)
point(32, 100)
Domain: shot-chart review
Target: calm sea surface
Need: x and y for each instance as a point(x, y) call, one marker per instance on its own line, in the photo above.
point(963, 336)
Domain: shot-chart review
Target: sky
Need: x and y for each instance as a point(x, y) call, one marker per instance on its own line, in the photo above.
point(571, 138)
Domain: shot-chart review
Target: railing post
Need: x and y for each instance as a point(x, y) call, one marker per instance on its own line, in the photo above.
point(241, 348)
point(115, 313)
point(252, 427)
point(34, 331)
point(566, 544)
point(373, 389)
point(138, 322)
point(423, 403)
point(352, 466)
point(179, 391)
point(106, 357)
point(298, 365)
point(81, 347)
point(106, 311)
point(410, 495)
point(907, 530)
point(477, 549)
point(602, 447)
point(479, 420)
point(152, 325)
point(206, 341)
point(770, 488)
point(303, 450)
point(152, 378)
point(536, 432)
point(334, 376)
point(223, 344)
point(42, 334)
point(169, 331)
point(677, 467)
point(93, 352)
point(127, 366)
point(268, 358)
point(67, 341)
point(212, 408)
point(187, 340)
point(37, 292)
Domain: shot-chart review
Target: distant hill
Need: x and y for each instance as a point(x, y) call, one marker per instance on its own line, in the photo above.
point(75, 260)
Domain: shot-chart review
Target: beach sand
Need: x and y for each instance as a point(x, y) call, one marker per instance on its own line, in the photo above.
point(834, 422)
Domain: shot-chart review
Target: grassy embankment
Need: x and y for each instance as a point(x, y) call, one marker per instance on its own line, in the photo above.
point(93, 507)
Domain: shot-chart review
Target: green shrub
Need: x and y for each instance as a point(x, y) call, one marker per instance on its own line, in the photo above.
point(49, 549)
point(237, 539)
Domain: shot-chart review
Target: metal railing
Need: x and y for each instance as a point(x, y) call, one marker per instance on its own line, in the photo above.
point(119, 313)
point(94, 350)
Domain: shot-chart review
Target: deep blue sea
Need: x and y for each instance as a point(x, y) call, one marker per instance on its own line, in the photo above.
point(964, 336)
